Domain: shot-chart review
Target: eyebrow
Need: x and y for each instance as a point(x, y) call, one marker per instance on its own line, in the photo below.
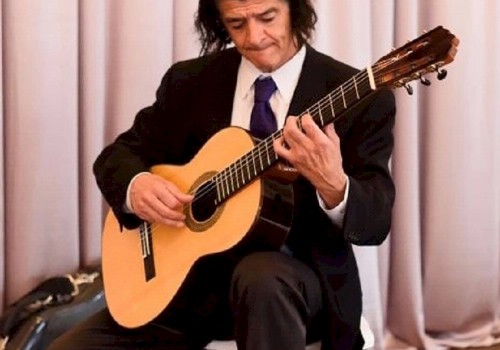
point(230, 19)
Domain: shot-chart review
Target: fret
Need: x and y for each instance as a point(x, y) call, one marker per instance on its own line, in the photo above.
point(237, 176)
point(369, 72)
point(260, 160)
point(242, 172)
point(268, 155)
point(331, 106)
point(227, 186)
point(230, 177)
point(275, 136)
point(248, 168)
point(254, 166)
point(355, 86)
point(227, 174)
point(237, 170)
point(234, 176)
point(343, 96)
point(321, 117)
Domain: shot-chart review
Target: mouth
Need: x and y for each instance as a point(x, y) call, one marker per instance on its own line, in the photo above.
point(257, 48)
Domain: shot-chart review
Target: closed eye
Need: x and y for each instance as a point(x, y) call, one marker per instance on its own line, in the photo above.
point(235, 24)
point(268, 16)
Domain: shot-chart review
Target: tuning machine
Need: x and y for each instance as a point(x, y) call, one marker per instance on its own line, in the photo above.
point(408, 88)
point(441, 73)
point(424, 80)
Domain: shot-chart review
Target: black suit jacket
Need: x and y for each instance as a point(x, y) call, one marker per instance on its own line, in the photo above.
point(194, 101)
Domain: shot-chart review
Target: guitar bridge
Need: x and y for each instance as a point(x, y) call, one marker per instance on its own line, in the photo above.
point(147, 250)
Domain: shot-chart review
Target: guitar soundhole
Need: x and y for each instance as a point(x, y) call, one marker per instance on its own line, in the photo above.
point(204, 205)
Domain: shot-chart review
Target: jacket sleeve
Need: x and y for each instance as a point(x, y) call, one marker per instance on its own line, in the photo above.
point(366, 150)
point(134, 151)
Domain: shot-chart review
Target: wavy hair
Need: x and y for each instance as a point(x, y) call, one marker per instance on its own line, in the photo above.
point(214, 37)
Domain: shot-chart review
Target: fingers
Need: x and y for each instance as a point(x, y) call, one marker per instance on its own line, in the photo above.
point(155, 199)
point(155, 211)
point(330, 132)
point(313, 151)
point(301, 136)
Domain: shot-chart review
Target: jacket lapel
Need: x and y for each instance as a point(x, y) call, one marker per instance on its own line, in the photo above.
point(308, 90)
point(224, 89)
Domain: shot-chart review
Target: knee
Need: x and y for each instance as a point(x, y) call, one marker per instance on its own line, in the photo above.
point(258, 276)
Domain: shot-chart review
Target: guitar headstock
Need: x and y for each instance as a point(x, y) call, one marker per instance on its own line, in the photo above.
point(425, 54)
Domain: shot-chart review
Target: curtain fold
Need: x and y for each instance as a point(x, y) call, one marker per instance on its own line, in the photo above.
point(40, 156)
point(93, 38)
point(75, 73)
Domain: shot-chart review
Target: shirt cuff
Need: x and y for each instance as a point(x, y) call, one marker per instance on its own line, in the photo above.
point(336, 214)
point(127, 206)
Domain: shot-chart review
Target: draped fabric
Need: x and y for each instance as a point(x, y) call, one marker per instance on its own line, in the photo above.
point(74, 73)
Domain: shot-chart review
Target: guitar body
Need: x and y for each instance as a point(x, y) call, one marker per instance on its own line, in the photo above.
point(144, 268)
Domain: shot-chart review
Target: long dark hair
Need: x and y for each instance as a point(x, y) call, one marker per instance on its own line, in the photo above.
point(214, 37)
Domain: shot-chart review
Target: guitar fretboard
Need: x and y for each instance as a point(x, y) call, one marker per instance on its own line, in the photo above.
point(262, 157)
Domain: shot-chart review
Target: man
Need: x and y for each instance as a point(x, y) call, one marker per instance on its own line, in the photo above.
point(310, 288)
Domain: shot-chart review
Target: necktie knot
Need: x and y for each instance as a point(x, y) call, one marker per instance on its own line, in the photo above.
point(264, 89)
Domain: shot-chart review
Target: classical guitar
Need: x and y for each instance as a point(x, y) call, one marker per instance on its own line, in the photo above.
point(234, 201)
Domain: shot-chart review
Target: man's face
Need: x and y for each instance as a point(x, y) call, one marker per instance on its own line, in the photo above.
point(261, 31)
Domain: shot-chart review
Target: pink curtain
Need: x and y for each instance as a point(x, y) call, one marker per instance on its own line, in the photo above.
point(75, 73)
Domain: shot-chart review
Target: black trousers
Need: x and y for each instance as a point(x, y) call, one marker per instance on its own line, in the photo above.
point(267, 300)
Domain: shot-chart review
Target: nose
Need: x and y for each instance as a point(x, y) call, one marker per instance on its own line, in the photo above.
point(254, 33)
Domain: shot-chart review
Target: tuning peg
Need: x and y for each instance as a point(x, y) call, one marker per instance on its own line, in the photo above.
point(408, 88)
point(425, 81)
point(441, 73)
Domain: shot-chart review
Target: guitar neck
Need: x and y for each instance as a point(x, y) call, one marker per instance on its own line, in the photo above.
point(335, 104)
point(263, 156)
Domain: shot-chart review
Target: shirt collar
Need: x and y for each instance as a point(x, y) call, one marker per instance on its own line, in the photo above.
point(285, 77)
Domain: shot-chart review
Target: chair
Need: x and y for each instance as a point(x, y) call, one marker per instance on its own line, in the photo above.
point(365, 330)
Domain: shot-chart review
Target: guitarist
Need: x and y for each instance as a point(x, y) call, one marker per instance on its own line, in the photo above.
point(309, 290)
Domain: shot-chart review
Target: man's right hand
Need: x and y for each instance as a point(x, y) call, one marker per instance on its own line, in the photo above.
point(156, 200)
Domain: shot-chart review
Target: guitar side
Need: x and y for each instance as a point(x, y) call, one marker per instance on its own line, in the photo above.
point(134, 295)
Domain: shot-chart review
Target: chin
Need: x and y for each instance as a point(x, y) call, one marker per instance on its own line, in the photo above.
point(265, 67)
point(265, 61)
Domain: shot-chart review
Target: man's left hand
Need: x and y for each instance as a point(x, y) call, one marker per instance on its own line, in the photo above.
point(315, 153)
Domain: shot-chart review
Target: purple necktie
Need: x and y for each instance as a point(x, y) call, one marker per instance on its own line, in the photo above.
point(263, 121)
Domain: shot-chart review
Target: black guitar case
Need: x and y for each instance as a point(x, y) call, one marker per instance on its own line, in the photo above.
point(53, 307)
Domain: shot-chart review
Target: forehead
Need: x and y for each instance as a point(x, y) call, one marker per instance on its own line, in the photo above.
point(247, 7)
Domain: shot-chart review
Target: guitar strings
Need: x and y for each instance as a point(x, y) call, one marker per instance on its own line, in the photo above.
point(264, 148)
